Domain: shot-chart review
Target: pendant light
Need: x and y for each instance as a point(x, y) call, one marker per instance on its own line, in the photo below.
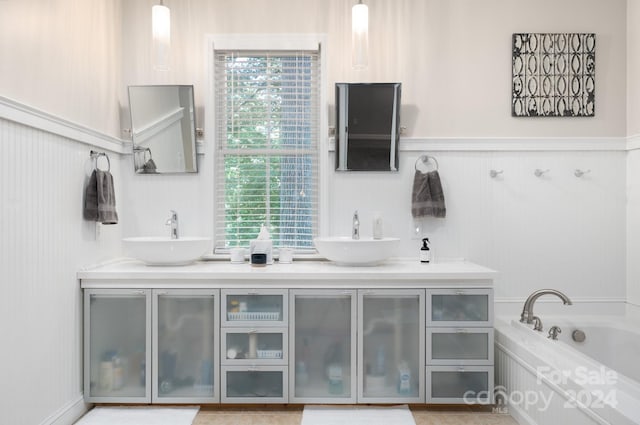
point(161, 32)
point(360, 35)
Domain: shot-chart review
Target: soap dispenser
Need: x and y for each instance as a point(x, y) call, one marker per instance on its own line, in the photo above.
point(261, 248)
point(425, 252)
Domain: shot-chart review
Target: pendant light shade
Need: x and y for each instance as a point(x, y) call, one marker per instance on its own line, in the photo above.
point(161, 32)
point(360, 35)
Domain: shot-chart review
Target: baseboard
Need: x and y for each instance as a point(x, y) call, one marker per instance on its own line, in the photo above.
point(68, 414)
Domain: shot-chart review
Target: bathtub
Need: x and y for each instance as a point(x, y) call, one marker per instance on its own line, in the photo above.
point(543, 382)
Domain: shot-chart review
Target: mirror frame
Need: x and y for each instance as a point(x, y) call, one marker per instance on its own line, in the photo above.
point(143, 160)
point(384, 144)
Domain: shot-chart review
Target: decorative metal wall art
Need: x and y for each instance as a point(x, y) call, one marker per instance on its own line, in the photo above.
point(553, 75)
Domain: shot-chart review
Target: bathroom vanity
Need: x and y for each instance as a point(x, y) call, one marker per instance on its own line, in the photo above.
point(308, 332)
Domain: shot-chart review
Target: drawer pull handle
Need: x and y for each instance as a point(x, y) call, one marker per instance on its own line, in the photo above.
point(252, 331)
point(460, 292)
point(252, 293)
point(461, 369)
point(253, 369)
point(462, 331)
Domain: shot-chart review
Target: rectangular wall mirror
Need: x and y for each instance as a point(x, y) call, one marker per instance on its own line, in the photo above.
point(163, 129)
point(367, 126)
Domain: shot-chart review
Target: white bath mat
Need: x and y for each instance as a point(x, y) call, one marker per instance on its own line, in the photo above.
point(139, 416)
point(355, 415)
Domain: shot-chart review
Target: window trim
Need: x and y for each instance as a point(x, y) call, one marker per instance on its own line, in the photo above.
point(268, 42)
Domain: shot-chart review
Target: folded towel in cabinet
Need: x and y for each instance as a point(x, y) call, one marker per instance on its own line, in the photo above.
point(427, 196)
point(100, 199)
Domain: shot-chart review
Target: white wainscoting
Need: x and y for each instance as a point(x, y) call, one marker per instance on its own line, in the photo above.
point(557, 231)
point(44, 242)
point(533, 400)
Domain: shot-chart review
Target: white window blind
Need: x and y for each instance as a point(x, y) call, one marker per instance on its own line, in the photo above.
point(267, 140)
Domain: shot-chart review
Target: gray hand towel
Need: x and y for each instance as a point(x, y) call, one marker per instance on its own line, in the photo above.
point(100, 199)
point(427, 197)
point(149, 167)
point(106, 198)
point(90, 210)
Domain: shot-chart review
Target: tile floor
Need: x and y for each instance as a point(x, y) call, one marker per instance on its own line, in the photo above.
point(292, 415)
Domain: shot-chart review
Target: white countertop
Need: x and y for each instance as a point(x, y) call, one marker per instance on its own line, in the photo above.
point(300, 274)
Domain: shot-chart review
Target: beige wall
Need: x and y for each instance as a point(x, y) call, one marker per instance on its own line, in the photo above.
point(633, 68)
point(452, 56)
point(62, 56)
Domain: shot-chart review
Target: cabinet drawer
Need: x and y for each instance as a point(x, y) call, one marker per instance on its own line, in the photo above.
point(254, 384)
point(460, 346)
point(254, 308)
point(460, 385)
point(460, 307)
point(254, 346)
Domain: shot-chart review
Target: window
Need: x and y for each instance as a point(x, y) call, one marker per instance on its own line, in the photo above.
point(267, 106)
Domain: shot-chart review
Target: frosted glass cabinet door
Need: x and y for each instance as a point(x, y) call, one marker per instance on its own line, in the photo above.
point(391, 346)
point(263, 307)
point(460, 346)
point(117, 345)
point(254, 346)
point(185, 349)
point(322, 346)
point(468, 385)
point(254, 384)
point(460, 307)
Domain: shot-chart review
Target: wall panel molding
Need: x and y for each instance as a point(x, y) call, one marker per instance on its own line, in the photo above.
point(15, 111)
point(633, 142)
point(509, 144)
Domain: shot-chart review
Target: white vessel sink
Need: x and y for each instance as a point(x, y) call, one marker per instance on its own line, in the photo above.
point(164, 251)
point(346, 251)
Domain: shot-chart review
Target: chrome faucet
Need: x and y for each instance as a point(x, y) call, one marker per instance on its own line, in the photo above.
point(173, 222)
point(527, 311)
point(355, 230)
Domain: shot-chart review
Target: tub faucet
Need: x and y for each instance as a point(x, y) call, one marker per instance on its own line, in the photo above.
point(553, 332)
point(537, 324)
point(173, 222)
point(527, 311)
point(355, 230)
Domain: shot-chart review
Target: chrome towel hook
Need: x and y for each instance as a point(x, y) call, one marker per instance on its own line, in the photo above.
point(96, 156)
point(539, 173)
point(579, 173)
point(495, 173)
point(424, 160)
